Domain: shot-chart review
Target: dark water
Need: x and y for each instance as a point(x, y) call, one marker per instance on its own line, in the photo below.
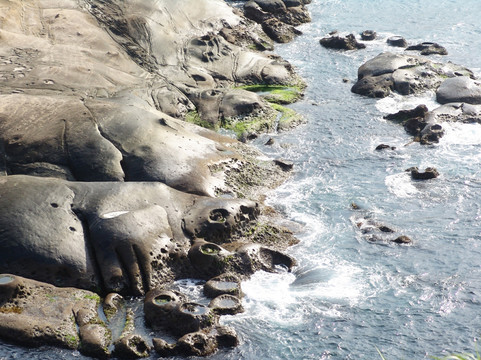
point(349, 296)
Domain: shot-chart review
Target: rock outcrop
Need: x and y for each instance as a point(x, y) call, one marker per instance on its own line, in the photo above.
point(105, 188)
point(404, 74)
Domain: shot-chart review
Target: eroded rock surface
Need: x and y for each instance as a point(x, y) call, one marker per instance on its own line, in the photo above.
point(104, 187)
point(404, 74)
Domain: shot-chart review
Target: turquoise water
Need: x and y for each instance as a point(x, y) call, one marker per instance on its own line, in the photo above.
point(348, 295)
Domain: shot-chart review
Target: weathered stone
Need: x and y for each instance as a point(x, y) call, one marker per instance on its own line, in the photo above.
point(397, 41)
point(35, 314)
point(459, 89)
point(429, 173)
point(419, 111)
point(384, 146)
point(226, 304)
point(348, 42)
point(404, 74)
point(131, 347)
point(368, 35)
point(223, 284)
point(428, 48)
point(402, 240)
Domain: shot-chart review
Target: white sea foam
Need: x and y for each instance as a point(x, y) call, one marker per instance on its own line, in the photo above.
point(395, 102)
point(400, 185)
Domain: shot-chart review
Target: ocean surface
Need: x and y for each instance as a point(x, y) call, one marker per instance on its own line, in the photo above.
point(349, 296)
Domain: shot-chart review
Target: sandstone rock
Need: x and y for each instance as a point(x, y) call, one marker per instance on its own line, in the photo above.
point(404, 74)
point(428, 48)
point(456, 112)
point(459, 89)
point(35, 314)
point(223, 284)
point(397, 41)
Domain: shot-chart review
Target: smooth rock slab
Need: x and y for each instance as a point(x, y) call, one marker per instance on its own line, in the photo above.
point(459, 89)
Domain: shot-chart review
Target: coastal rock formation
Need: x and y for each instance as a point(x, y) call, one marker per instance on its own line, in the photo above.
point(103, 185)
point(404, 74)
point(338, 42)
point(459, 89)
point(428, 48)
point(278, 18)
point(455, 112)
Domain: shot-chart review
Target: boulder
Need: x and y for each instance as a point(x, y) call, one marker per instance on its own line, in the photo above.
point(429, 173)
point(403, 74)
point(419, 111)
point(368, 35)
point(33, 313)
point(397, 41)
point(459, 89)
point(455, 112)
point(338, 42)
point(428, 48)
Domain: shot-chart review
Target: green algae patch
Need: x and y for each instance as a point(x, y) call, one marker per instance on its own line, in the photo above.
point(193, 117)
point(288, 118)
point(276, 94)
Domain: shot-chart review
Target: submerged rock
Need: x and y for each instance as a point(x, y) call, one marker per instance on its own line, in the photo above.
point(429, 173)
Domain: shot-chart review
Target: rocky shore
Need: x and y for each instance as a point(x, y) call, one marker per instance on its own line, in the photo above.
point(109, 188)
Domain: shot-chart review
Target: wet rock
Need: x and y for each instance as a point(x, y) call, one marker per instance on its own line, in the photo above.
point(223, 284)
point(414, 126)
point(428, 48)
point(35, 314)
point(279, 31)
point(429, 173)
point(419, 111)
point(226, 304)
point(112, 303)
point(131, 347)
point(338, 42)
point(403, 74)
point(368, 35)
point(277, 17)
point(196, 344)
point(397, 41)
point(163, 348)
point(270, 142)
point(402, 240)
point(431, 134)
point(284, 164)
point(172, 311)
point(459, 89)
point(455, 112)
point(95, 340)
point(384, 146)
point(200, 343)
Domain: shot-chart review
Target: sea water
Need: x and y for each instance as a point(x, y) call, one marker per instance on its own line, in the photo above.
point(348, 296)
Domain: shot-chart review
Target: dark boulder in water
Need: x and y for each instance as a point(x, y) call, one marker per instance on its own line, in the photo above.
point(368, 35)
point(397, 41)
point(428, 48)
point(429, 173)
point(339, 42)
